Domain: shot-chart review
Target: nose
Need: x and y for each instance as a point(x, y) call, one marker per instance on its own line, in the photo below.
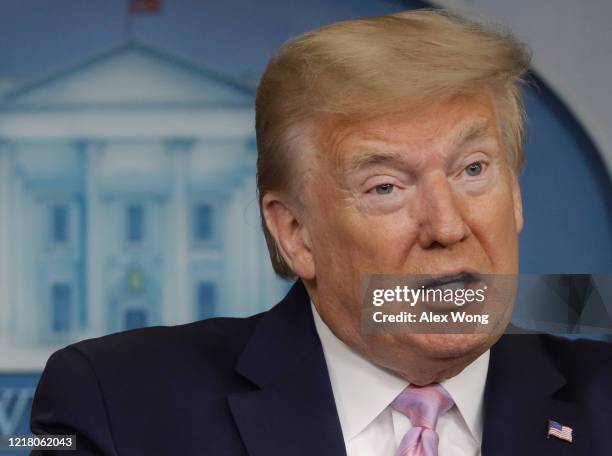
point(441, 222)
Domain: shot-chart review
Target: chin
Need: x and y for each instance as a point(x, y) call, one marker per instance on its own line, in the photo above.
point(445, 346)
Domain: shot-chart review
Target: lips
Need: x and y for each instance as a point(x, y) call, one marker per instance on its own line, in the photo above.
point(465, 279)
point(443, 280)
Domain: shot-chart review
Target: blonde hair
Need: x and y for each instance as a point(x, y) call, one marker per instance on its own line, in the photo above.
point(378, 65)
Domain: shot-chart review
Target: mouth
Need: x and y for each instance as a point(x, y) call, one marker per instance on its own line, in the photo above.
point(449, 285)
point(464, 277)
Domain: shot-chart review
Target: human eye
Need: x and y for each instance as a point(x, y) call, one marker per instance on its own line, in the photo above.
point(476, 174)
point(382, 189)
point(383, 194)
point(475, 169)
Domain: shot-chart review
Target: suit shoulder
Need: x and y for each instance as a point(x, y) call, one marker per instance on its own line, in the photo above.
point(579, 349)
point(584, 360)
point(214, 341)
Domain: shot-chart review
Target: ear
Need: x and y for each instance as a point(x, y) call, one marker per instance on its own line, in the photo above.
point(517, 203)
point(291, 236)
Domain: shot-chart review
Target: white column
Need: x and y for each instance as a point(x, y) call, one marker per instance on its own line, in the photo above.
point(95, 238)
point(240, 278)
point(26, 309)
point(177, 307)
point(5, 241)
point(231, 280)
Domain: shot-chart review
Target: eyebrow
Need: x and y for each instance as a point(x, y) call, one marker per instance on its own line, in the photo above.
point(372, 158)
point(469, 133)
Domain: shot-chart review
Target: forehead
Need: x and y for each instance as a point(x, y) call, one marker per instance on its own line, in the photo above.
point(441, 125)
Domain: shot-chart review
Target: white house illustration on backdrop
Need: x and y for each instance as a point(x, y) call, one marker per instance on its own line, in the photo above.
point(127, 198)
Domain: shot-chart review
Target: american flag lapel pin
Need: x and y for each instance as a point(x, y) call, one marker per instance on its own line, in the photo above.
point(559, 431)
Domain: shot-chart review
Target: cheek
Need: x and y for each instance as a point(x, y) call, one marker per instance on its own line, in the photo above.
point(491, 220)
point(494, 210)
point(495, 207)
point(369, 243)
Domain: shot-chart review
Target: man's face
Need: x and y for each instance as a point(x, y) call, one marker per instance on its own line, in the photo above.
point(427, 192)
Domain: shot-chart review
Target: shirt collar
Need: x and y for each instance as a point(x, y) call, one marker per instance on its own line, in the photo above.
point(467, 390)
point(351, 375)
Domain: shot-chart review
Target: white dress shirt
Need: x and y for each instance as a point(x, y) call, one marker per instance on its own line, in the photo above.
point(363, 393)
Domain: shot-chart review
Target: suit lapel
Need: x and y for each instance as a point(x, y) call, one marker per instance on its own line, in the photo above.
point(524, 390)
point(293, 410)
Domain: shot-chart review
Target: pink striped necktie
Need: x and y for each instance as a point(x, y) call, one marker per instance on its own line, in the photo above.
point(422, 405)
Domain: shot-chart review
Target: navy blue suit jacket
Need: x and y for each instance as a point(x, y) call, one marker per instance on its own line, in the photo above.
point(260, 386)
